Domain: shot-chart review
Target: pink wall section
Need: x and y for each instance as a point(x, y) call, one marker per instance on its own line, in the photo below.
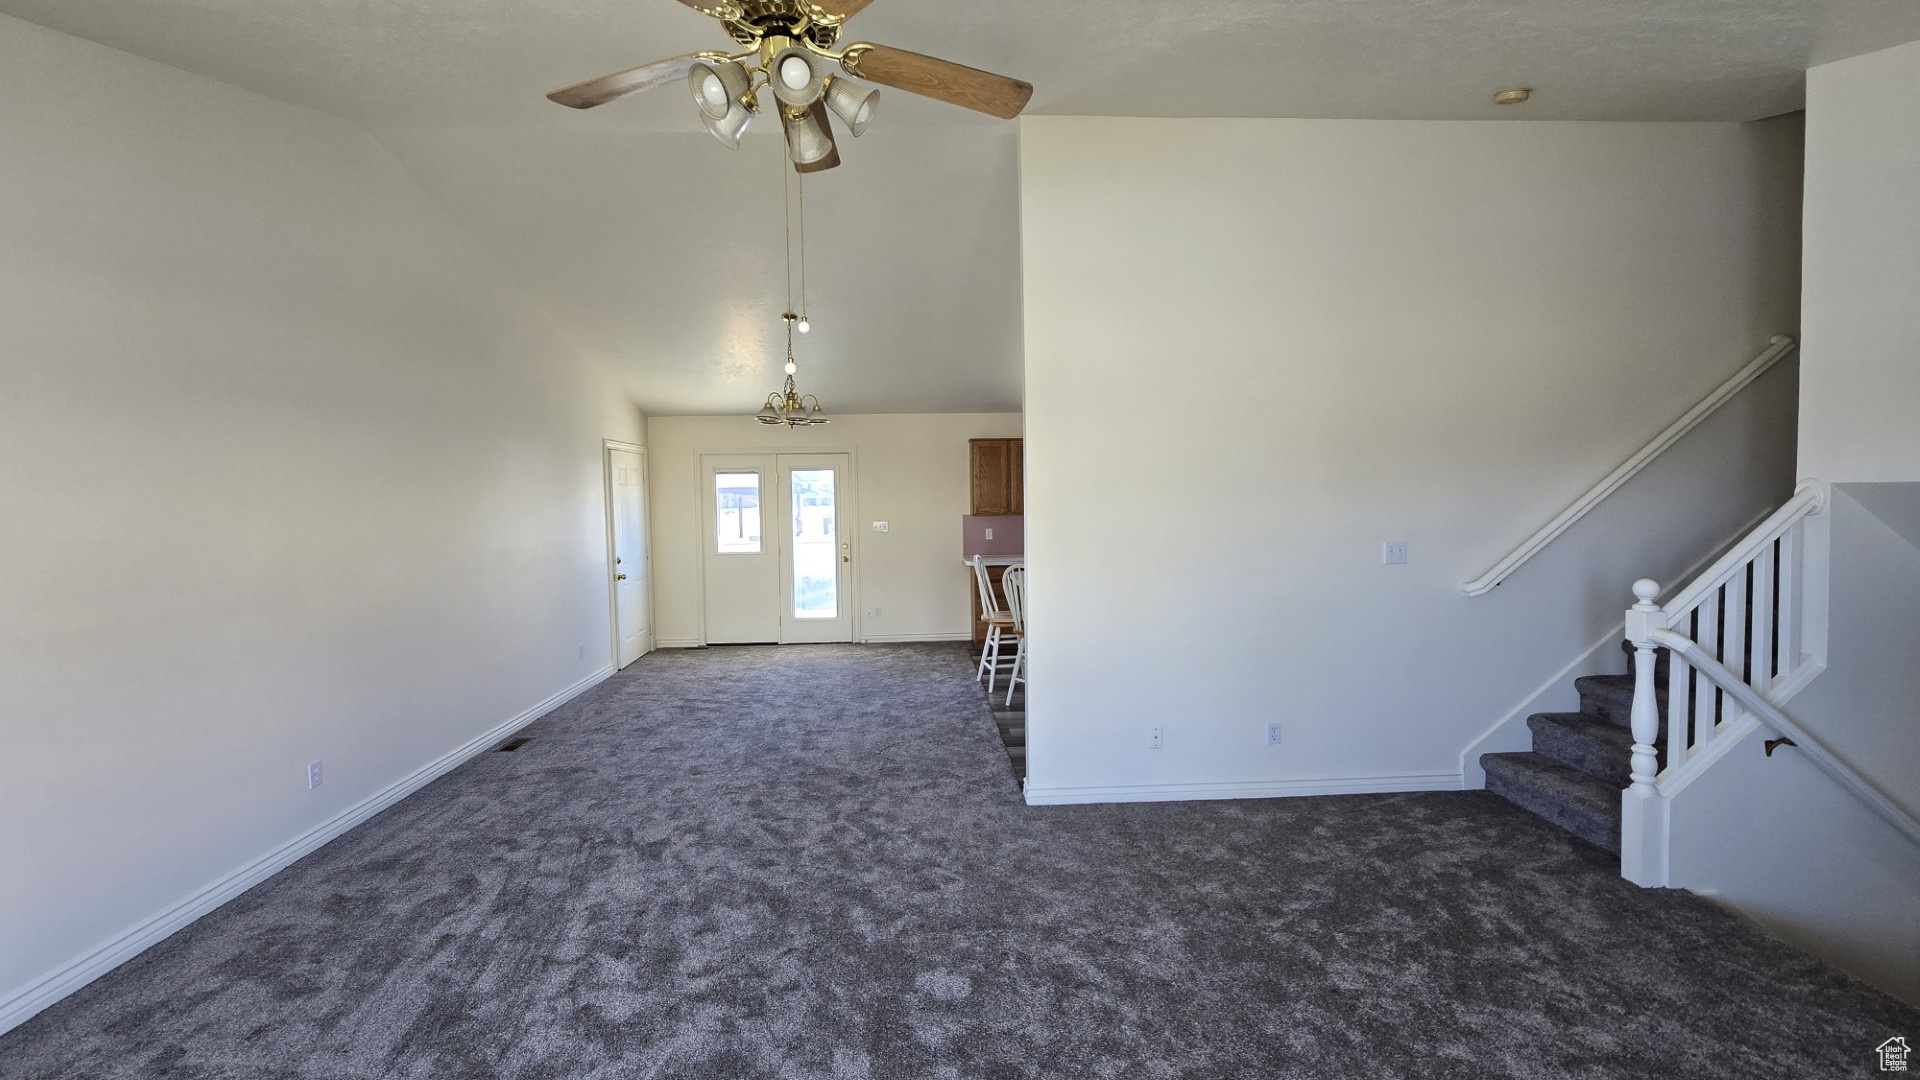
point(1009, 536)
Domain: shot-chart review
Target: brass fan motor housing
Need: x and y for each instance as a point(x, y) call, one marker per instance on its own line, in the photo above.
point(749, 21)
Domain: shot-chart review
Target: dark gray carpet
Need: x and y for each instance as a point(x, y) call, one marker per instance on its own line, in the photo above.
point(813, 862)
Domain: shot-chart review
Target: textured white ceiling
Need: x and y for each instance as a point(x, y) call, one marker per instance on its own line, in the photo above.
point(659, 250)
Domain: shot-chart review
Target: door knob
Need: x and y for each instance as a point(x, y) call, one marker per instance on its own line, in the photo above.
point(619, 577)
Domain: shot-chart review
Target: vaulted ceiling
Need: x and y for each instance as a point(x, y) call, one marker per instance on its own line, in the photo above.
point(659, 251)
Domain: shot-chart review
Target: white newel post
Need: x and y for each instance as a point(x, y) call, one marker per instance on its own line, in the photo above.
point(1643, 810)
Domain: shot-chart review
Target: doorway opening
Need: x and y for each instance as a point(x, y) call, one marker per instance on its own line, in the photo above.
point(629, 555)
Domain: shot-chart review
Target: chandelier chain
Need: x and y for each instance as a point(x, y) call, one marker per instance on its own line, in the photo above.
point(786, 211)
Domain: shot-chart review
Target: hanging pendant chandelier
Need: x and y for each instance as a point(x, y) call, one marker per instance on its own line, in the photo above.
point(788, 406)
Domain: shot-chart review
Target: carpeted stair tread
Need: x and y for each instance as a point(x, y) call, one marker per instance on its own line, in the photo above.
point(1610, 697)
point(1586, 806)
point(1587, 743)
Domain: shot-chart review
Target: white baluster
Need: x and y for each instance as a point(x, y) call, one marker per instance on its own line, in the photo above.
point(1763, 610)
point(1706, 696)
point(1644, 618)
point(1791, 577)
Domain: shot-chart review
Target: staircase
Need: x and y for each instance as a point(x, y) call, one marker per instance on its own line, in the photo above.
point(1580, 761)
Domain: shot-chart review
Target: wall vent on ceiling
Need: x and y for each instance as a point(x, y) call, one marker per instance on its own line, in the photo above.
point(513, 744)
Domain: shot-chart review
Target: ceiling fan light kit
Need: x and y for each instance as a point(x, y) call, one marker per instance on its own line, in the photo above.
point(789, 50)
point(790, 46)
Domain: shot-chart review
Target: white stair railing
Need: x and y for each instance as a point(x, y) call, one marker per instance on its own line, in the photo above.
point(1735, 639)
point(1548, 533)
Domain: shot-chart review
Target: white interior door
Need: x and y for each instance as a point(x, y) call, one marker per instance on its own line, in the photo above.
point(632, 570)
point(816, 602)
point(742, 556)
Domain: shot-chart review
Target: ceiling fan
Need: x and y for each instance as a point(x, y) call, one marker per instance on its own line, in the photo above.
point(789, 45)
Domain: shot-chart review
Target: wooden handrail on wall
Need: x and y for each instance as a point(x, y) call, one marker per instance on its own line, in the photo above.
point(1551, 531)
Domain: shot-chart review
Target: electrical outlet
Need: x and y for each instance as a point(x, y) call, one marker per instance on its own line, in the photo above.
point(1273, 733)
point(313, 775)
point(1155, 738)
point(989, 534)
point(583, 652)
point(879, 526)
point(1394, 553)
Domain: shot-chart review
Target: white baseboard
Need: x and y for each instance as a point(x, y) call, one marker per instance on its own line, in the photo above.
point(678, 643)
point(907, 639)
point(1251, 789)
point(22, 1005)
point(1510, 734)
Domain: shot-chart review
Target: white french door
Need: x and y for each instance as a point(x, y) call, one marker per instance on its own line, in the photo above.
point(815, 570)
point(778, 548)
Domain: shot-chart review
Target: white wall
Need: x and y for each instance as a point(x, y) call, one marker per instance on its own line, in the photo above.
point(290, 474)
point(1775, 837)
point(1860, 399)
point(1258, 349)
point(913, 473)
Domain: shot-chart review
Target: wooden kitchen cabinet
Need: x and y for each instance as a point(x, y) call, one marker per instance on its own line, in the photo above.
point(999, 480)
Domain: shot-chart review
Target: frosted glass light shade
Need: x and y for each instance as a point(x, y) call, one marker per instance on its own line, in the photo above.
point(852, 103)
point(806, 143)
point(798, 76)
point(730, 127)
point(718, 88)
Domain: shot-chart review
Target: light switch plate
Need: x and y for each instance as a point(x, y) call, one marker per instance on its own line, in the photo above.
point(879, 526)
point(1394, 553)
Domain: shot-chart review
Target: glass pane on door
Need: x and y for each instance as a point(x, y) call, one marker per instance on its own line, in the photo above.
point(816, 559)
point(736, 505)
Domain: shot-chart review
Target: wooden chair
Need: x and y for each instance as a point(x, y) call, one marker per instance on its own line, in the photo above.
point(1014, 582)
point(997, 620)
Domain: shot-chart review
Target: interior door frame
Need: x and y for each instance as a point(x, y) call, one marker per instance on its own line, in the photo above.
point(853, 515)
point(607, 446)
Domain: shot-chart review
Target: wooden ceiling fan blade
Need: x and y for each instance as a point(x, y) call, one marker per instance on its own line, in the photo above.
point(840, 9)
point(944, 80)
point(832, 160)
point(621, 83)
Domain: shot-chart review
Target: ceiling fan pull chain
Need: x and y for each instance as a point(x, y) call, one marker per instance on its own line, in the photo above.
point(786, 212)
point(805, 323)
